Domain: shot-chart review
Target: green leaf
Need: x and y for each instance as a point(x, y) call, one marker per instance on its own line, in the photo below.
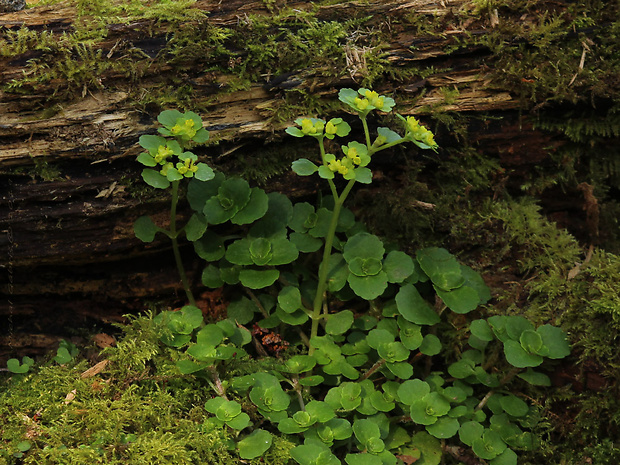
point(239, 252)
point(300, 364)
point(389, 135)
point(470, 431)
point(431, 345)
point(368, 287)
point(155, 179)
point(173, 175)
point(255, 444)
point(146, 159)
point(274, 222)
point(204, 172)
point(518, 357)
point(535, 378)
point(444, 428)
point(188, 367)
point(377, 337)
point(461, 300)
point(508, 457)
point(393, 352)
point(516, 325)
point(482, 330)
point(363, 459)
point(242, 310)
point(145, 229)
point(339, 323)
point(514, 406)
point(475, 281)
point(14, 366)
point(554, 339)
point(320, 411)
point(239, 422)
point(461, 369)
point(532, 342)
point(151, 142)
point(314, 380)
point(210, 247)
point(489, 446)
point(414, 308)
point(403, 370)
point(304, 167)
point(196, 227)
point(441, 267)
point(363, 245)
point(260, 250)
point(314, 453)
point(210, 335)
point(198, 192)
point(254, 209)
point(337, 274)
point(258, 279)
point(169, 117)
point(365, 430)
point(305, 243)
point(303, 218)
point(363, 175)
point(410, 334)
point(412, 390)
point(284, 252)
point(289, 299)
point(429, 447)
point(211, 277)
point(398, 266)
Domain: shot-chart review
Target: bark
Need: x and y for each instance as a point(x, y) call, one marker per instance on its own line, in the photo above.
point(69, 176)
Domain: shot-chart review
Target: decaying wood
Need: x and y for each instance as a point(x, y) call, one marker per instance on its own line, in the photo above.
point(73, 236)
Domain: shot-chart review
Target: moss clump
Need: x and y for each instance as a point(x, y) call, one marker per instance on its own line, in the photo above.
point(138, 410)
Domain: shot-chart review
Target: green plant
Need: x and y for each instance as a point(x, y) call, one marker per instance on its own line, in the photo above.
point(370, 378)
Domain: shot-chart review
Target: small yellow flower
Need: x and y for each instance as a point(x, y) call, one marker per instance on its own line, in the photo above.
point(414, 124)
point(330, 128)
point(307, 127)
point(163, 152)
point(186, 128)
point(361, 103)
point(165, 168)
point(354, 156)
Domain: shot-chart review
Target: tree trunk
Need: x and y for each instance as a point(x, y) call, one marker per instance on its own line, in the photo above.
point(72, 110)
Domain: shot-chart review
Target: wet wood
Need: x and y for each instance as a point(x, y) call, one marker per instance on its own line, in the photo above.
point(68, 197)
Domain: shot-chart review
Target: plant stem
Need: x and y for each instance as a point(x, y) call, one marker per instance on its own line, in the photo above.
point(324, 267)
point(175, 243)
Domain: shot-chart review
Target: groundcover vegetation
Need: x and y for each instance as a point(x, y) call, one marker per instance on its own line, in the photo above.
point(337, 347)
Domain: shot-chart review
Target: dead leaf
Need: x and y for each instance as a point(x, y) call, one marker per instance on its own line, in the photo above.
point(103, 340)
point(69, 397)
point(96, 369)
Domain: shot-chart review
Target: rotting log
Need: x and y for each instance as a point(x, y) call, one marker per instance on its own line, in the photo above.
point(70, 188)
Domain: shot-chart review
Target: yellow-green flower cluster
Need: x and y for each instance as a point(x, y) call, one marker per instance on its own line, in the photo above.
point(365, 100)
point(319, 128)
point(343, 166)
point(163, 152)
point(420, 133)
point(184, 127)
point(187, 168)
point(312, 127)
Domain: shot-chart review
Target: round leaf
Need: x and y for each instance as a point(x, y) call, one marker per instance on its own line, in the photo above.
point(255, 444)
point(304, 167)
point(145, 229)
point(398, 266)
point(444, 428)
point(339, 323)
point(155, 179)
point(414, 308)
